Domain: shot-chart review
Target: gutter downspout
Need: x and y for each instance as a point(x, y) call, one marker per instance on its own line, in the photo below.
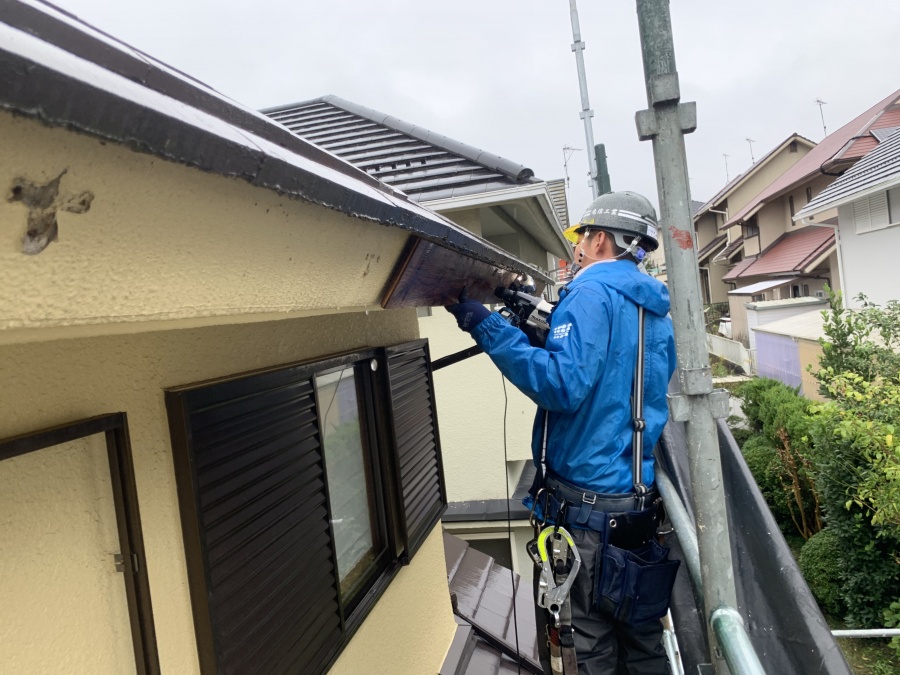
point(837, 243)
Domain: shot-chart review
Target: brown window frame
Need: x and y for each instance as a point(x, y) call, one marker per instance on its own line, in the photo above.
point(409, 501)
point(128, 517)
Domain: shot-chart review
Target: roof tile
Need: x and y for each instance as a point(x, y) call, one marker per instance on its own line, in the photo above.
point(791, 253)
point(810, 164)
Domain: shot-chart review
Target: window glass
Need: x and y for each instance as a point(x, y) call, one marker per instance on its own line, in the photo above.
point(349, 476)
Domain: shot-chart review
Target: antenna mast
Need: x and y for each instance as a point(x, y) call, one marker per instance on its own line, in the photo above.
point(820, 103)
point(750, 142)
point(586, 112)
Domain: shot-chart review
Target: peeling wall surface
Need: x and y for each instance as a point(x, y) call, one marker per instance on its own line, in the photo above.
point(153, 243)
point(52, 497)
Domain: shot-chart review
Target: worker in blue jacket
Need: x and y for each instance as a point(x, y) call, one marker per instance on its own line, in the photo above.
point(581, 381)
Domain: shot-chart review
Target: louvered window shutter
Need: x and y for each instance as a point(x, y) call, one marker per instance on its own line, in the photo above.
point(419, 473)
point(254, 509)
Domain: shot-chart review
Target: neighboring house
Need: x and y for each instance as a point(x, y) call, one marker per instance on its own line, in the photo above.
point(503, 202)
point(218, 434)
point(776, 248)
point(867, 199)
point(788, 350)
point(720, 247)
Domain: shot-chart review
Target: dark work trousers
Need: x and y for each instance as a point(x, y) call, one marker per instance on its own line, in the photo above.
point(603, 646)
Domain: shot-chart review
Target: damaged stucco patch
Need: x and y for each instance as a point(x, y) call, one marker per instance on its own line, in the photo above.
point(44, 201)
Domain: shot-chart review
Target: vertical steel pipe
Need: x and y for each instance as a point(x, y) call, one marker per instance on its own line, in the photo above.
point(665, 122)
point(586, 112)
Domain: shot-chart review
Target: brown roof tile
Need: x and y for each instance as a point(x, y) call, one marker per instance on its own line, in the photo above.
point(735, 271)
point(791, 253)
point(810, 164)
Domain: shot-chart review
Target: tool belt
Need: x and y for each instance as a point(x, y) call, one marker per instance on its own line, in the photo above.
point(609, 513)
point(633, 576)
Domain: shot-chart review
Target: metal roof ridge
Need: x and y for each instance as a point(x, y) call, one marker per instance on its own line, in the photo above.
point(517, 172)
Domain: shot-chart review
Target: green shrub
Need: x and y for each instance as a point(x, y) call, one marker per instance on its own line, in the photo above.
point(855, 458)
point(820, 562)
point(842, 443)
point(762, 460)
point(749, 393)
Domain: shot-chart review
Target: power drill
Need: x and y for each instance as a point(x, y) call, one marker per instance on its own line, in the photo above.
point(529, 312)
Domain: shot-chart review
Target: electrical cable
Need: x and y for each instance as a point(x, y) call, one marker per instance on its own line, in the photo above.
point(512, 577)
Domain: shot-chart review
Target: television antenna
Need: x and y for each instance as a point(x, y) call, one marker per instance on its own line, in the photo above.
point(750, 142)
point(568, 150)
point(820, 103)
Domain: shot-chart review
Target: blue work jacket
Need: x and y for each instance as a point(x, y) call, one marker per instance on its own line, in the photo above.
point(584, 374)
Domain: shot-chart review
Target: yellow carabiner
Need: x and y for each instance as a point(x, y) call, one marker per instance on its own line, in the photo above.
point(546, 532)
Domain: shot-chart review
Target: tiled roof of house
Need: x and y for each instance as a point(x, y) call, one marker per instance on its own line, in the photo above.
point(711, 248)
point(738, 269)
point(834, 148)
point(880, 169)
point(731, 250)
point(423, 164)
point(493, 600)
point(792, 253)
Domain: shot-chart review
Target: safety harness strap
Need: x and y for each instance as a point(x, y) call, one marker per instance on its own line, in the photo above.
point(637, 413)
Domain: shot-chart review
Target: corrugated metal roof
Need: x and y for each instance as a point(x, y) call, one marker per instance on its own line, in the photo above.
point(792, 253)
point(820, 156)
point(753, 289)
point(881, 167)
point(807, 326)
point(711, 248)
point(764, 305)
point(424, 165)
point(485, 597)
point(557, 190)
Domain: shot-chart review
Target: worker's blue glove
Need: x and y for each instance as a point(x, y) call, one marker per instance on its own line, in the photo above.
point(468, 313)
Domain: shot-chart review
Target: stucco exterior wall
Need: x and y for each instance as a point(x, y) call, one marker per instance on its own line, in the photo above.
point(419, 599)
point(152, 245)
point(868, 259)
point(764, 177)
point(470, 400)
point(48, 383)
point(810, 352)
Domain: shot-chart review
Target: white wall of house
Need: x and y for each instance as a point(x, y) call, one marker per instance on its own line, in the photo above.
point(870, 240)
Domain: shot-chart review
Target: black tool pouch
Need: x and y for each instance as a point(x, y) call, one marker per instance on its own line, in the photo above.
point(634, 586)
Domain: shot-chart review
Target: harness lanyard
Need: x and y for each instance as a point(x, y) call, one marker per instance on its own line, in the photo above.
point(637, 412)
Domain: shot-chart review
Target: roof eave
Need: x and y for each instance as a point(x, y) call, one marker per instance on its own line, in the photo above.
point(814, 208)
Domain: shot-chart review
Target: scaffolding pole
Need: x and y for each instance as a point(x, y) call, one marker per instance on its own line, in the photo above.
point(665, 122)
point(586, 112)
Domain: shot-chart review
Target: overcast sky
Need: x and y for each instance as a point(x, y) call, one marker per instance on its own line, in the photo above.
point(500, 74)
